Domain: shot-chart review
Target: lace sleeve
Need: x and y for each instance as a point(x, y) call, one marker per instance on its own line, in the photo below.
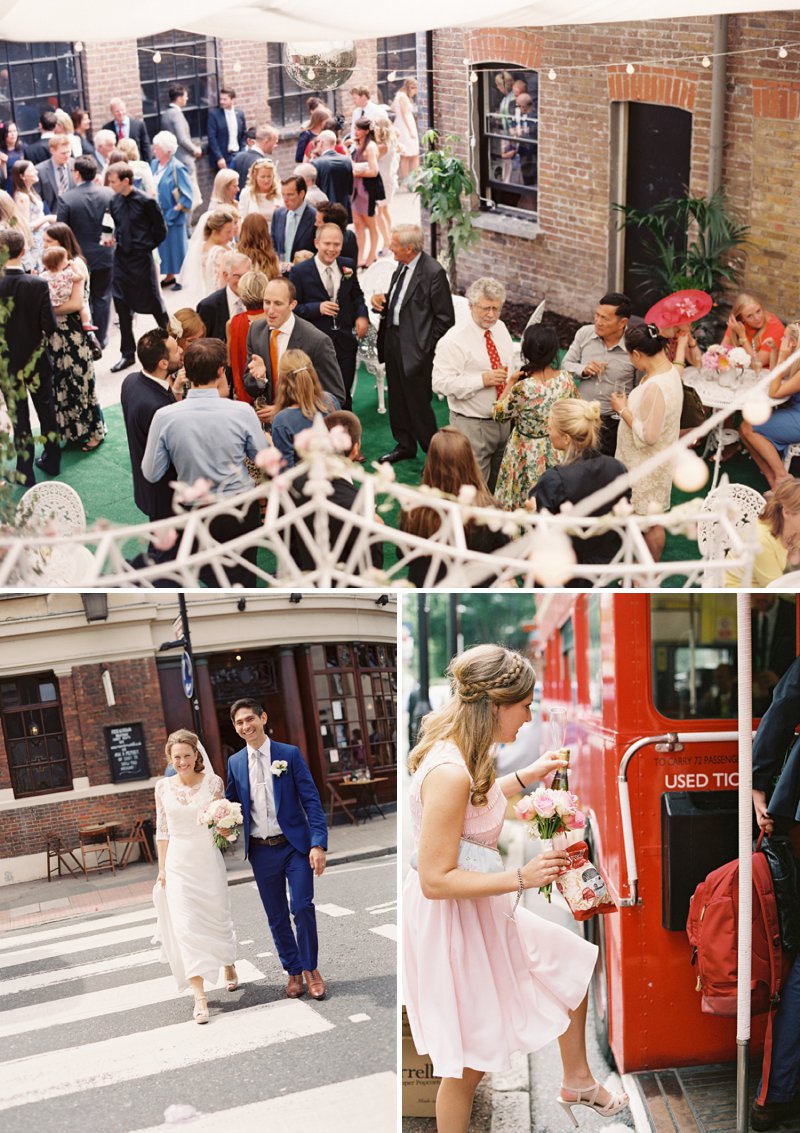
point(217, 787)
point(162, 827)
point(648, 421)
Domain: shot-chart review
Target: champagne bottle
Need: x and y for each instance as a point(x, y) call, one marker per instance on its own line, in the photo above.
point(561, 778)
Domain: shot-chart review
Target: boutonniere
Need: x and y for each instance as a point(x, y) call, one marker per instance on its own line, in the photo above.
point(279, 766)
point(347, 273)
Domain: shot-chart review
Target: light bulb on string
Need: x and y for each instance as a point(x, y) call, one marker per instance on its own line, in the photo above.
point(465, 62)
point(390, 78)
point(630, 68)
point(312, 74)
point(237, 66)
point(706, 61)
point(782, 52)
point(689, 472)
point(156, 57)
point(757, 409)
point(551, 75)
point(78, 47)
point(473, 76)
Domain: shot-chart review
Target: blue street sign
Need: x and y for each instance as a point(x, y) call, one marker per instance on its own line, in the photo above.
point(186, 675)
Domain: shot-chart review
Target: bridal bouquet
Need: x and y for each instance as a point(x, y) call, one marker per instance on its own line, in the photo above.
point(225, 819)
point(547, 813)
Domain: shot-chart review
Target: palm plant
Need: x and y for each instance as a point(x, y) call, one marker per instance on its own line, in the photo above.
point(442, 182)
point(691, 241)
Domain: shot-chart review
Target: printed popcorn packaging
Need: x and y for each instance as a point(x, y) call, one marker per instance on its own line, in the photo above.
point(582, 885)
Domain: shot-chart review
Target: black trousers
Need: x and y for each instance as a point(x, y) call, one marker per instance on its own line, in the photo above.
point(411, 416)
point(346, 357)
point(100, 301)
point(135, 287)
point(609, 427)
point(43, 400)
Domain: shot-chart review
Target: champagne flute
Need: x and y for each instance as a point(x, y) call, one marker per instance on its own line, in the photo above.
point(558, 727)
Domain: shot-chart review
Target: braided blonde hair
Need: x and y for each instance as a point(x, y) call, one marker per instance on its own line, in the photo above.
point(480, 679)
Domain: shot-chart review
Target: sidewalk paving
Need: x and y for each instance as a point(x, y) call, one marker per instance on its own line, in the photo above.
point(40, 902)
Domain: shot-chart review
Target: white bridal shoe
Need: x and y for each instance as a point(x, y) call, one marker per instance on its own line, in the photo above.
point(200, 1012)
point(231, 977)
point(615, 1103)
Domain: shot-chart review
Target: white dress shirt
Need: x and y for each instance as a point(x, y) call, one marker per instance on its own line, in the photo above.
point(335, 271)
point(163, 382)
point(263, 820)
point(235, 305)
point(401, 295)
point(233, 131)
point(284, 334)
point(460, 361)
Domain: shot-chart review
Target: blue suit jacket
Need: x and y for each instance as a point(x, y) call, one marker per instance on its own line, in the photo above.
point(775, 733)
point(311, 292)
point(297, 802)
point(304, 236)
point(218, 134)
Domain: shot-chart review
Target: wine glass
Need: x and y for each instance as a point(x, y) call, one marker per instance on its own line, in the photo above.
point(558, 728)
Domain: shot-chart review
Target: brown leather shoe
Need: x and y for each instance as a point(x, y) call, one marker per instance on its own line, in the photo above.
point(295, 988)
point(315, 984)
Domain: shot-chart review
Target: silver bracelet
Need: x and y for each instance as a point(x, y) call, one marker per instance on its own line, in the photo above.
point(520, 891)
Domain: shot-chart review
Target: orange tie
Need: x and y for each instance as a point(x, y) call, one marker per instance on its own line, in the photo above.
point(273, 359)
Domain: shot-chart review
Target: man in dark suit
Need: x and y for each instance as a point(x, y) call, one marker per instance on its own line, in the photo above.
point(55, 174)
point(143, 393)
point(330, 298)
point(293, 225)
point(221, 305)
point(227, 131)
point(83, 209)
point(337, 214)
point(269, 339)
point(344, 495)
point(285, 839)
point(334, 172)
point(123, 126)
point(264, 140)
point(415, 313)
point(40, 149)
point(30, 322)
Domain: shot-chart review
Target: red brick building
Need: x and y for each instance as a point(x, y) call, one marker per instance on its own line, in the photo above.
point(324, 668)
point(596, 134)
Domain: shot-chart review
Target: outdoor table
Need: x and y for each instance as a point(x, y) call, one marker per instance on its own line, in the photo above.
point(97, 840)
point(715, 396)
point(365, 794)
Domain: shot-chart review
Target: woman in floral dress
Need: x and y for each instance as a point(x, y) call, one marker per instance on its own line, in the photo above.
point(80, 418)
point(526, 401)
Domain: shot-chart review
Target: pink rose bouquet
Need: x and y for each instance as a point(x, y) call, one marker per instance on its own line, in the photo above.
point(546, 813)
point(224, 819)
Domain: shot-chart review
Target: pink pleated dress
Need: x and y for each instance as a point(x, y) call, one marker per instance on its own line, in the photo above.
point(479, 986)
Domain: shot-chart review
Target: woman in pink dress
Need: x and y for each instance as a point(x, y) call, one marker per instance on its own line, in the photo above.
point(485, 978)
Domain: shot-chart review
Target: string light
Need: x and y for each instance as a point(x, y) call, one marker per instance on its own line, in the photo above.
point(390, 78)
point(782, 52)
point(551, 75)
point(473, 76)
point(706, 61)
point(78, 46)
point(156, 56)
point(630, 68)
point(312, 74)
point(237, 66)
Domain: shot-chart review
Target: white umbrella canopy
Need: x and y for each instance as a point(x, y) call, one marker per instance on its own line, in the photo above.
point(281, 21)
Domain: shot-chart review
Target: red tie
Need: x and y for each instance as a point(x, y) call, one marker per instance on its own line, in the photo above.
point(491, 349)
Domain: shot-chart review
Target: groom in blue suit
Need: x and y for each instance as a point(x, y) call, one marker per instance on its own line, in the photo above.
point(285, 838)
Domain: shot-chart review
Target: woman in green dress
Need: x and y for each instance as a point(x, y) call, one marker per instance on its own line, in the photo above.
point(526, 401)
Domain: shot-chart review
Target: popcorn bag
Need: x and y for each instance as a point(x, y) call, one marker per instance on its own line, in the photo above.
point(582, 885)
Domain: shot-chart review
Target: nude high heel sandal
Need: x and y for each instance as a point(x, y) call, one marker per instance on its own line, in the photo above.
point(588, 1098)
point(200, 1012)
point(233, 980)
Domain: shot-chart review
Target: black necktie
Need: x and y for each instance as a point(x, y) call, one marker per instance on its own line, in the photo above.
point(398, 287)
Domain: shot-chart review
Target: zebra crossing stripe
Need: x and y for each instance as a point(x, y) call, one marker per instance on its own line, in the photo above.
point(70, 947)
point(128, 1058)
point(387, 930)
point(93, 1004)
point(335, 910)
point(362, 1105)
point(35, 980)
point(65, 930)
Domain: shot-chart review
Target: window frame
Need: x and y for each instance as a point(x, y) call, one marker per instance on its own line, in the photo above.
point(175, 68)
point(29, 708)
point(33, 56)
point(392, 55)
point(491, 188)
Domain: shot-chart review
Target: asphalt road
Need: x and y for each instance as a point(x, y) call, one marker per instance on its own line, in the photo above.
point(95, 1036)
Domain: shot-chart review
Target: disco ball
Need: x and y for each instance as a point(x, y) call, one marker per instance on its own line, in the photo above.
point(320, 66)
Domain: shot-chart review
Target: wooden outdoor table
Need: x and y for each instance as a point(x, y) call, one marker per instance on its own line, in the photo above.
point(365, 794)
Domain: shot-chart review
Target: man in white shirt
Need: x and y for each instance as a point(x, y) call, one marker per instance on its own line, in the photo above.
point(218, 308)
point(227, 131)
point(470, 366)
point(123, 126)
point(363, 107)
point(105, 142)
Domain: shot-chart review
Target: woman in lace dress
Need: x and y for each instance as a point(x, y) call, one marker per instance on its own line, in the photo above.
point(650, 421)
point(191, 894)
point(484, 978)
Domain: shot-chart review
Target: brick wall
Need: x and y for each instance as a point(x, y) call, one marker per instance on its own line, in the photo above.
point(568, 262)
point(111, 70)
point(25, 830)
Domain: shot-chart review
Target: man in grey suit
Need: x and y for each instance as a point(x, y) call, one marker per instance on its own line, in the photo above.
point(83, 209)
point(269, 339)
point(55, 174)
point(174, 120)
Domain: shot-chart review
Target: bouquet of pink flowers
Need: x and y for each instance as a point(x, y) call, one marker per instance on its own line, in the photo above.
point(722, 358)
point(225, 819)
point(547, 813)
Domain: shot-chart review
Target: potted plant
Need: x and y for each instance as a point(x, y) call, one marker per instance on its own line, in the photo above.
point(443, 181)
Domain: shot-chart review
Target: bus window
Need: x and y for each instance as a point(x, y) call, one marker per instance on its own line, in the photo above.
point(694, 652)
point(595, 656)
point(568, 654)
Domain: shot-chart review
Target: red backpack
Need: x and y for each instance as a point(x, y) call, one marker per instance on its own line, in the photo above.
point(712, 928)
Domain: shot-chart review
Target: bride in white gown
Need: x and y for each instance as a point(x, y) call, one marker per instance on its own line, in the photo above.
point(191, 894)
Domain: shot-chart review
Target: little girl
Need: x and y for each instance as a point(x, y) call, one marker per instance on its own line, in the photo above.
point(61, 277)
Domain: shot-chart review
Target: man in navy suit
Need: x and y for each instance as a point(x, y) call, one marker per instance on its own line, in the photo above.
point(330, 298)
point(123, 126)
point(227, 131)
point(30, 322)
point(83, 209)
point(334, 171)
point(285, 838)
point(293, 225)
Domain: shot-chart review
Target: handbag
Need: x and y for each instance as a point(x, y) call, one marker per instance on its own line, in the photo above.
point(694, 412)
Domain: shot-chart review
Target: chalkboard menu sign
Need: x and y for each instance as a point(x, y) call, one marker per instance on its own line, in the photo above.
point(126, 752)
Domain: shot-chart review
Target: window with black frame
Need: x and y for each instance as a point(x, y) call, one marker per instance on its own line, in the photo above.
point(287, 100)
point(509, 139)
point(397, 55)
point(33, 729)
point(185, 59)
point(36, 77)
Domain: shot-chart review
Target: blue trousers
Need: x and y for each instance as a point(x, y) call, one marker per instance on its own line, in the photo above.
point(784, 1070)
point(273, 868)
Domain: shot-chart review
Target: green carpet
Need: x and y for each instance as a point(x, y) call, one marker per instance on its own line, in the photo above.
point(103, 478)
